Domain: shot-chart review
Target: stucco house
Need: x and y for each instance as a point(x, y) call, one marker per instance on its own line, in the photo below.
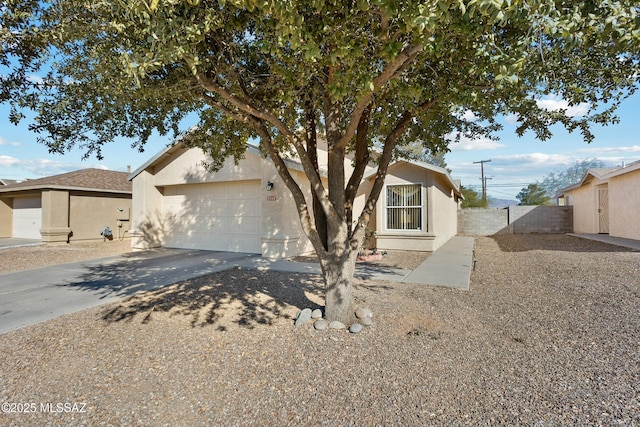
point(245, 207)
point(606, 201)
point(77, 205)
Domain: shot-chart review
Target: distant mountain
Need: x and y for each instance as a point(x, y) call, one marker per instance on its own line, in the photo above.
point(501, 203)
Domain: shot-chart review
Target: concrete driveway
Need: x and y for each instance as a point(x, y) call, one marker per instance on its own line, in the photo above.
point(33, 296)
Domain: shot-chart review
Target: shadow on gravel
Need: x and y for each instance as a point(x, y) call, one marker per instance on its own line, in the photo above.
point(244, 297)
point(552, 242)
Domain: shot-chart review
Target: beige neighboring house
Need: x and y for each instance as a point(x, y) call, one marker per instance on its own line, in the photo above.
point(606, 201)
point(245, 207)
point(77, 205)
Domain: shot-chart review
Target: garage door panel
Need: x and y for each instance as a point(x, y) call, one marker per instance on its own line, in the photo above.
point(27, 218)
point(220, 216)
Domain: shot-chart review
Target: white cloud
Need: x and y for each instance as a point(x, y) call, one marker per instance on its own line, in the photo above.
point(467, 144)
point(4, 141)
point(511, 118)
point(597, 150)
point(38, 168)
point(535, 159)
point(469, 116)
point(554, 102)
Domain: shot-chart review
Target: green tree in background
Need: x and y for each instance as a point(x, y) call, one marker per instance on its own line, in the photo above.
point(472, 199)
point(358, 74)
point(533, 195)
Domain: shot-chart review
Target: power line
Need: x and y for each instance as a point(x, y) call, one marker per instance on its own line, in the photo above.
point(484, 180)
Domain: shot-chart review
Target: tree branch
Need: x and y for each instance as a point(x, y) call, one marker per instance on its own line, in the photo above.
point(247, 106)
point(383, 165)
point(388, 73)
point(361, 160)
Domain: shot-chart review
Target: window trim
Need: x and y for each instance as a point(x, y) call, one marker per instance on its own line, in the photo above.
point(423, 195)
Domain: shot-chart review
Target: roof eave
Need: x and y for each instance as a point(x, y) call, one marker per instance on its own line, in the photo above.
point(62, 187)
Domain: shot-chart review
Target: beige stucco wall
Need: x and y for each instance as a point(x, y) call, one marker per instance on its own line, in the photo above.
point(55, 216)
point(585, 211)
point(439, 218)
point(6, 216)
point(147, 224)
point(185, 167)
point(624, 205)
point(90, 213)
point(283, 236)
point(443, 210)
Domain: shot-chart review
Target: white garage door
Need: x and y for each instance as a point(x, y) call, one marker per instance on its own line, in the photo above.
point(27, 217)
point(220, 217)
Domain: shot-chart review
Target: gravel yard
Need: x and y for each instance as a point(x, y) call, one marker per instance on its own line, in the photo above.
point(547, 335)
point(26, 257)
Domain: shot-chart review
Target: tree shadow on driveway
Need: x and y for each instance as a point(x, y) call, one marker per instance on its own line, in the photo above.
point(240, 297)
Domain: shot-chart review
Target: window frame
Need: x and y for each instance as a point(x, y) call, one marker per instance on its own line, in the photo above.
point(421, 207)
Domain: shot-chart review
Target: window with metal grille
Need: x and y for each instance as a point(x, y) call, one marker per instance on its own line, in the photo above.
point(404, 207)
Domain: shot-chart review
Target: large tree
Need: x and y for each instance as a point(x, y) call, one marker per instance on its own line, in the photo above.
point(358, 74)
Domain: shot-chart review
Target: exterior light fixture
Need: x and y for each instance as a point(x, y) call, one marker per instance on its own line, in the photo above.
point(269, 185)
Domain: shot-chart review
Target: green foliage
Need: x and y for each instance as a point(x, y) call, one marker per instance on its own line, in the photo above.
point(129, 67)
point(557, 180)
point(533, 195)
point(472, 199)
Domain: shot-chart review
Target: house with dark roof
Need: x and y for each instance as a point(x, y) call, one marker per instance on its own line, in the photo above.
point(606, 201)
point(78, 205)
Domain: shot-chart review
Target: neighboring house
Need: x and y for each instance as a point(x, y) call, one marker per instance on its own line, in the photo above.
point(245, 207)
point(8, 181)
point(606, 201)
point(77, 205)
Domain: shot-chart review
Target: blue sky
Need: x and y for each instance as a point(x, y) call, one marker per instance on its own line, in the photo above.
point(515, 162)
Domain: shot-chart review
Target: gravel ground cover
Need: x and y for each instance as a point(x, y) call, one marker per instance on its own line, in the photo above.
point(27, 257)
point(547, 335)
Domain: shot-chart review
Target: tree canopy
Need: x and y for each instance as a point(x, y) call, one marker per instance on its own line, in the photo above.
point(472, 199)
point(360, 74)
point(533, 195)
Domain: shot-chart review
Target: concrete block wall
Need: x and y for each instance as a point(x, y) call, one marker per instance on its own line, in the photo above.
point(515, 220)
point(482, 222)
point(540, 219)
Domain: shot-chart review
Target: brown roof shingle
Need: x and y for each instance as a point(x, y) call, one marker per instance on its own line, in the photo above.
point(88, 179)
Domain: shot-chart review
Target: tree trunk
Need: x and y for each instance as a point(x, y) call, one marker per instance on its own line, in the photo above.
point(338, 275)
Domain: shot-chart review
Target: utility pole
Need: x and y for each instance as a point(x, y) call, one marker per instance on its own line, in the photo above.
point(484, 180)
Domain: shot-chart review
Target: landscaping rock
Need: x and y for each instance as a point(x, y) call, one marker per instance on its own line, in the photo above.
point(366, 321)
point(363, 312)
point(321, 325)
point(316, 314)
point(303, 317)
point(336, 325)
point(355, 328)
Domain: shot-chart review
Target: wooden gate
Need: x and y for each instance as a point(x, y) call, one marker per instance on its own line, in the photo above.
point(603, 210)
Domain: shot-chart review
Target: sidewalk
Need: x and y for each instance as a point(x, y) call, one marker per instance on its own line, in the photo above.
point(449, 266)
point(605, 238)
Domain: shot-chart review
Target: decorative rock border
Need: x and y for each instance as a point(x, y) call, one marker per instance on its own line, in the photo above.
point(363, 314)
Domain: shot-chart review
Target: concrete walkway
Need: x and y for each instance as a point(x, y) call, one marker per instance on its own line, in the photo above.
point(605, 238)
point(448, 266)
